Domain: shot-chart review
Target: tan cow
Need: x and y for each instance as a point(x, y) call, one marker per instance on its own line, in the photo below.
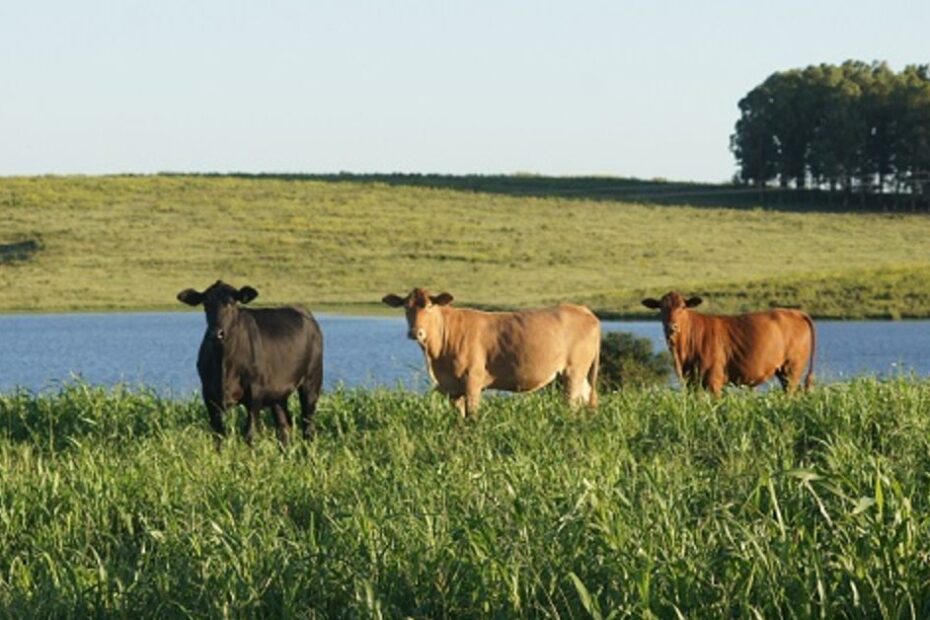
point(746, 349)
point(468, 350)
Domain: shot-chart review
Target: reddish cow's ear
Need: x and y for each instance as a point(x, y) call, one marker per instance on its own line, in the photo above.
point(655, 304)
point(246, 294)
point(693, 301)
point(442, 299)
point(190, 297)
point(393, 300)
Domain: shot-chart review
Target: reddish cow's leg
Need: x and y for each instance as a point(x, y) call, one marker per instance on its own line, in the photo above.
point(784, 379)
point(714, 381)
point(790, 376)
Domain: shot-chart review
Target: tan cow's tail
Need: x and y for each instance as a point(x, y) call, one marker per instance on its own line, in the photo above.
point(592, 372)
point(809, 381)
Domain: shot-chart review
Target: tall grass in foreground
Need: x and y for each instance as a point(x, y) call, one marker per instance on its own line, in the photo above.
point(659, 504)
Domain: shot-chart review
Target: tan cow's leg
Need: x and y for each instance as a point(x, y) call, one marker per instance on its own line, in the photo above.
point(459, 403)
point(473, 386)
point(577, 388)
point(472, 400)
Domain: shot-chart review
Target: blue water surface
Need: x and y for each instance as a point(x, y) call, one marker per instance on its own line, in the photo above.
point(39, 352)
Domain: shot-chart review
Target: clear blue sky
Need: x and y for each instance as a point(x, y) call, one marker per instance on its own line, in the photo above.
point(638, 88)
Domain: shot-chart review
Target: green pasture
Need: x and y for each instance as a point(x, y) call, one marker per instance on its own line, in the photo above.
point(124, 242)
point(659, 504)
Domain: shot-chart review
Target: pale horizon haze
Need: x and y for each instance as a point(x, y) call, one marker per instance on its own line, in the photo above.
point(628, 89)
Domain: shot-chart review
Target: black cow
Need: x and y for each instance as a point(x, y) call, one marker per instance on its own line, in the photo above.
point(257, 357)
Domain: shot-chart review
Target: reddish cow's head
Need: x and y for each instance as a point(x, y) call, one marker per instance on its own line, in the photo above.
point(672, 307)
point(424, 321)
point(219, 302)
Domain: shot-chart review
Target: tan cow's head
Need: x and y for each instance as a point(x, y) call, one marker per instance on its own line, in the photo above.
point(672, 306)
point(424, 321)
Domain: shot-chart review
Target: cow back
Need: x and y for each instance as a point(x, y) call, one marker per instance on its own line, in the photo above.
point(749, 347)
point(518, 350)
point(267, 353)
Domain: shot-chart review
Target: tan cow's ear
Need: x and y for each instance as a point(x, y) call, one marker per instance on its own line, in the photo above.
point(190, 297)
point(693, 301)
point(649, 302)
point(393, 300)
point(442, 299)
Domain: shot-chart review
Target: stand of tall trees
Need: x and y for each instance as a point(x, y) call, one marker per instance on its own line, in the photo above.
point(857, 129)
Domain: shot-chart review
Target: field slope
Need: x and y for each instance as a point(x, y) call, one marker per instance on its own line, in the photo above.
point(134, 242)
point(661, 504)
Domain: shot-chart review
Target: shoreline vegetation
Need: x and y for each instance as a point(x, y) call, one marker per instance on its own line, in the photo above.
point(340, 242)
point(663, 503)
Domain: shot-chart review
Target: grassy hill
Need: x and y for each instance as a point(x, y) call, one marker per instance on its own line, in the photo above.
point(133, 242)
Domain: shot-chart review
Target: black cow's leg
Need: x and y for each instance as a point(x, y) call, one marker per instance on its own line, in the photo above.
point(283, 420)
point(308, 393)
point(248, 426)
point(216, 410)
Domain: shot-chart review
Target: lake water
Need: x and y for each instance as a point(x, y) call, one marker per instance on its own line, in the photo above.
point(159, 349)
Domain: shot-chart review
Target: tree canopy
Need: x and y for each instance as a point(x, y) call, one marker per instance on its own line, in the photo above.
point(856, 127)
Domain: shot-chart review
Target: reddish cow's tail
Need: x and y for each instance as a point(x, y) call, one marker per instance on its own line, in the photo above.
point(592, 371)
point(809, 381)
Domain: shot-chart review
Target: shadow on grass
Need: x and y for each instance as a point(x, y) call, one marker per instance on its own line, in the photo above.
point(656, 191)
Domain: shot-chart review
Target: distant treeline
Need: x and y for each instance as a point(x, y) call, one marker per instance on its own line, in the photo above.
point(858, 130)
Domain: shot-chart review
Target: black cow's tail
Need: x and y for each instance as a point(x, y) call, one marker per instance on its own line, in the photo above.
point(809, 381)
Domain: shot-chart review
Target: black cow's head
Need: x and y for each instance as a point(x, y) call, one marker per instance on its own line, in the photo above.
point(219, 302)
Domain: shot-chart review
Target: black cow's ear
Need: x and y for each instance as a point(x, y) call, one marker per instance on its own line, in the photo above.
point(393, 300)
point(693, 301)
point(246, 294)
point(649, 302)
point(190, 297)
point(442, 299)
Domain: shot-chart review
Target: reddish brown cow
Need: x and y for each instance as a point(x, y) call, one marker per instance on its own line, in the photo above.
point(746, 349)
point(469, 350)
